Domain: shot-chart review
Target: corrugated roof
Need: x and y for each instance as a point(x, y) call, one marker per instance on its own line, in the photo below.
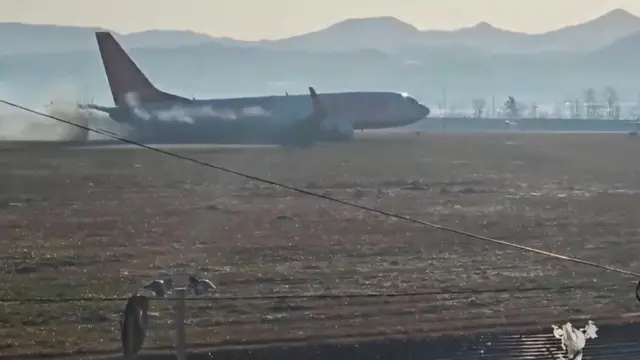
point(613, 342)
point(546, 346)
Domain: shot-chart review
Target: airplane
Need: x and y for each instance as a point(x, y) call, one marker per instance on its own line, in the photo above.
point(161, 117)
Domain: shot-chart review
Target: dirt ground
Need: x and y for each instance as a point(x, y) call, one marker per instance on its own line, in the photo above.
point(78, 222)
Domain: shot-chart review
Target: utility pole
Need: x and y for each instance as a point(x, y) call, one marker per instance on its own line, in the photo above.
point(444, 99)
point(493, 106)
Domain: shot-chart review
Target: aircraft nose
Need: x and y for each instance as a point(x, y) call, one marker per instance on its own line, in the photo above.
point(424, 111)
point(421, 111)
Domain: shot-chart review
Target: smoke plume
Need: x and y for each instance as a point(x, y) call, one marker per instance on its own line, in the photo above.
point(188, 113)
point(17, 125)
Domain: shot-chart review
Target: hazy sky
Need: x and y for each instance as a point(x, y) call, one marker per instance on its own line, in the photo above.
point(264, 19)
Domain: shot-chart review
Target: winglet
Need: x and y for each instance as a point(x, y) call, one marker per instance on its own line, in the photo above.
point(318, 108)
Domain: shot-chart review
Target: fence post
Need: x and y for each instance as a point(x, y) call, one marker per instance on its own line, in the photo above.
point(180, 310)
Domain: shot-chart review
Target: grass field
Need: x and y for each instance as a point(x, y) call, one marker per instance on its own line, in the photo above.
point(102, 222)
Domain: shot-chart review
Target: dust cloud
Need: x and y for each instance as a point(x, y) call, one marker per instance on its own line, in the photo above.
point(61, 102)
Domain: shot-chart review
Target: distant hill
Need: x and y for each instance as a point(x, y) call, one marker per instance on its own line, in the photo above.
point(216, 69)
point(628, 46)
point(587, 36)
point(18, 38)
point(386, 34)
point(593, 34)
point(381, 33)
point(620, 56)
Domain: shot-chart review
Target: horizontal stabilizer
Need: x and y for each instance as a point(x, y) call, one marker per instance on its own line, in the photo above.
point(95, 107)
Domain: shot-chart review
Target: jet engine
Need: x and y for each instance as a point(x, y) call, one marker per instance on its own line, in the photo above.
point(337, 131)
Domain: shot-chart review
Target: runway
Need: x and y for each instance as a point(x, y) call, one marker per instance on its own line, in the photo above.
point(173, 146)
point(367, 135)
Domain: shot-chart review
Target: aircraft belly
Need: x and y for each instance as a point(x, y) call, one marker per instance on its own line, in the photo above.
point(207, 131)
point(382, 124)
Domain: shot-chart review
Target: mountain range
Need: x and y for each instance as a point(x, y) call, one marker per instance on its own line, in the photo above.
point(385, 34)
point(356, 54)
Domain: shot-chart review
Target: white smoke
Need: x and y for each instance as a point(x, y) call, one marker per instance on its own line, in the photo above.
point(206, 111)
point(188, 113)
point(18, 125)
point(255, 111)
point(132, 99)
point(173, 114)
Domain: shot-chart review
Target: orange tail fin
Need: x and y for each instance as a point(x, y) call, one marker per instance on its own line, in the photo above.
point(125, 77)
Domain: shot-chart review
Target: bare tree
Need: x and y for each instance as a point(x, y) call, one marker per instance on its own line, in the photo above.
point(511, 107)
point(478, 107)
point(611, 96)
point(590, 102)
point(590, 96)
point(534, 112)
point(453, 110)
point(441, 109)
point(557, 110)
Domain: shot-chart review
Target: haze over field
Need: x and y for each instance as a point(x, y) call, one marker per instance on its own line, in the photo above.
point(381, 53)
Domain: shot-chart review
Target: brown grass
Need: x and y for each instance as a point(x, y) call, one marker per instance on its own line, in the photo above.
point(100, 223)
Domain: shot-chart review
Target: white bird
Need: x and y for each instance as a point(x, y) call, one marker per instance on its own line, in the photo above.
point(159, 287)
point(199, 286)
